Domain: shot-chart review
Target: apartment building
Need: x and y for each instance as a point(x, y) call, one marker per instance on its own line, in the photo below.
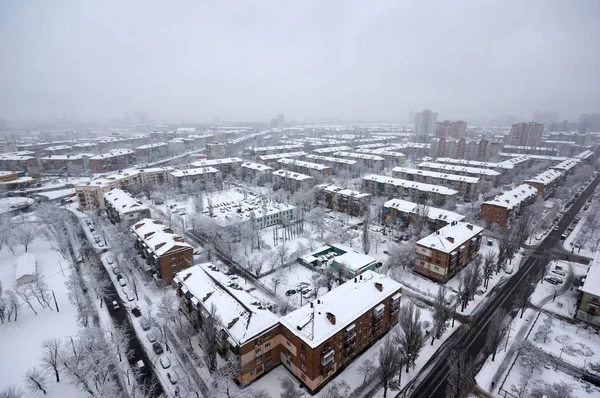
point(468, 187)
point(216, 150)
point(330, 150)
point(507, 205)
point(566, 166)
point(205, 175)
point(546, 182)
point(271, 160)
point(485, 174)
point(588, 304)
point(224, 165)
point(269, 150)
point(56, 150)
point(301, 166)
point(336, 164)
point(259, 173)
point(166, 253)
point(115, 159)
point(526, 134)
point(391, 187)
point(530, 150)
point(585, 156)
point(322, 338)
point(442, 254)
point(20, 161)
point(152, 152)
point(391, 158)
point(373, 162)
point(124, 209)
point(66, 163)
point(342, 199)
point(291, 181)
point(400, 213)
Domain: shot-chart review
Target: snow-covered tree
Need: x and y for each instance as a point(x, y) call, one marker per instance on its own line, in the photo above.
point(461, 375)
point(496, 332)
point(12, 392)
point(289, 390)
point(210, 337)
point(36, 380)
point(388, 364)
point(409, 334)
point(366, 368)
point(441, 314)
point(50, 356)
point(25, 233)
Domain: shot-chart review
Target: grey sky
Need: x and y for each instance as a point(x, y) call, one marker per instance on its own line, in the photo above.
point(242, 60)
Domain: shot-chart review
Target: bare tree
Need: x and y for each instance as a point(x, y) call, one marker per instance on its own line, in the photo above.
point(50, 356)
point(496, 331)
point(24, 292)
point(388, 364)
point(12, 305)
point(36, 380)
point(77, 298)
point(278, 279)
point(544, 330)
point(441, 314)
point(289, 390)
point(12, 392)
point(101, 285)
point(25, 233)
point(401, 256)
point(489, 265)
point(329, 278)
point(522, 297)
point(366, 368)
point(210, 337)
point(3, 304)
point(409, 335)
point(461, 375)
point(338, 389)
point(366, 239)
point(554, 390)
point(40, 290)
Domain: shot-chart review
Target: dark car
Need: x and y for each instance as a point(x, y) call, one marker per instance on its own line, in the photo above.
point(136, 312)
point(157, 348)
point(291, 292)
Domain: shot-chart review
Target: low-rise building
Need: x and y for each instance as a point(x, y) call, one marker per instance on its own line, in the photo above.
point(322, 338)
point(26, 269)
point(352, 263)
point(166, 253)
point(507, 205)
point(330, 150)
point(398, 188)
point(373, 162)
point(206, 175)
point(400, 213)
point(585, 156)
point(152, 152)
point(468, 187)
point(442, 254)
point(484, 174)
point(271, 160)
point(20, 161)
point(90, 195)
point(546, 182)
point(391, 158)
point(301, 166)
point(115, 159)
point(588, 308)
point(291, 181)
point(343, 199)
point(336, 164)
point(256, 172)
point(66, 163)
point(250, 335)
point(224, 165)
point(124, 209)
point(269, 150)
point(566, 166)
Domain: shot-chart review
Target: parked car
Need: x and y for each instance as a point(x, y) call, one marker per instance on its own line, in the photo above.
point(136, 312)
point(290, 292)
point(508, 269)
point(145, 323)
point(117, 270)
point(122, 282)
point(140, 365)
point(564, 236)
point(482, 290)
point(164, 362)
point(115, 305)
point(110, 259)
point(157, 348)
point(559, 272)
point(173, 378)
point(553, 280)
point(128, 294)
point(556, 228)
point(151, 337)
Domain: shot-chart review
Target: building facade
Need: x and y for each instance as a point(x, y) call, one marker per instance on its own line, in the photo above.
point(400, 213)
point(342, 199)
point(508, 205)
point(468, 187)
point(425, 125)
point(124, 209)
point(419, 192)
point(526, 134)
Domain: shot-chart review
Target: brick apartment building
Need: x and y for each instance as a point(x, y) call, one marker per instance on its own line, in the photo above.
point(336, 164)
point(546, 182)
point(152, 152)
point(66, 163)
point(309, 168)
point(124, 209)
point(391, 187)
point(20, 161)
point(372, 162)
point(291, 181)
point(342, 199)
point(166, 253)
point(507, 205)
point(484, 174)
point(468, 187)
point(526, 134)
point(256, 172)
point(400, 213)
point(224, 165)
point(442, 254)
point(206, 175)
point(271, 160)
point(115, 159)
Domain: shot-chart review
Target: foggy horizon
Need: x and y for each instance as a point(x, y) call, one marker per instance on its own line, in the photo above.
point(371, 61)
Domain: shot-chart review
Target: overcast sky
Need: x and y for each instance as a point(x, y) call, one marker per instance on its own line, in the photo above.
point(241, 60)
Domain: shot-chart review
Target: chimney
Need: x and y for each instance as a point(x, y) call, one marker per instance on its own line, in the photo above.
point(331, 318)
point(355, 279)
point(361, 277)
point(470, 226)
point(311, 305)
point(379, 286)
point(233, 321)
point(207, 296)
point(185, 278)
point(318, 301)
point(451, 239)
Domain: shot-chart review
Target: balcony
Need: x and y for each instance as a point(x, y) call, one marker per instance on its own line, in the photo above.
point(327, 359)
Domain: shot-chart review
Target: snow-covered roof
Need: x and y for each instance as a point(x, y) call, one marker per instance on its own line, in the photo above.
point(57, 148)
point(346, 303)
point(355, 155)
point(123, 202)
point(113, 153)
point(450, 237)
point(275, 156)
point(157, 237)
point(433, 213)
point(14, 203)
point(278, 147)
point(536, 157)
point(463, 169)
point(290, 174)
point(153, 145)
point(531, 148)
point(584, 155)
point(592, 279)
point(256, 166)
point(342, 191)
point(216, 162)
point(301, 163)
point(229, 213)
point(14, 156)
point(194, 172)
point(514, 197)
point(79, 156)
point(354, 261)
point(332, 149)
point(243, 316)
point(331, 159)
point(435, 174)
point(25, 265)
point(420, 186)
point(370, 146)
point(567, 164)
point(547, 177)
point(383, 152)
point(474, 163)
point(510, 164)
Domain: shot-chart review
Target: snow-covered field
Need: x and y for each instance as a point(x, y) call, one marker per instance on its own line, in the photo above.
point(21, 341)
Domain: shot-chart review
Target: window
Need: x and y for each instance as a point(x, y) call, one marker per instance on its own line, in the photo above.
point(267, 345)
point(303, 367)
point(303, 347)
point(258, 360)
point(288, 343)
point(268, 363)
point(257, 350)
point(303, 377)
point(257, 341)
point(267, 335)
point(259, 369)
point(302, 356)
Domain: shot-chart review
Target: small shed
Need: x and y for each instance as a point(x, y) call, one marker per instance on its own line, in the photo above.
point(26, 269)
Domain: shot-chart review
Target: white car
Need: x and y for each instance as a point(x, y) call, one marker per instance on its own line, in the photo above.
point(508, 269)
point(559, 272)
point(122, 282)
point(151, 337)
point(164, 362)
point(129, 294)
point(110, 259)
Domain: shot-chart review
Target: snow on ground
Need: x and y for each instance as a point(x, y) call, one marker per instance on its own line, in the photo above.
point(571, 240)
point(577, 344)
point(294, 276)
point(57, 194)
point(21, 341)
point(564, 303)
